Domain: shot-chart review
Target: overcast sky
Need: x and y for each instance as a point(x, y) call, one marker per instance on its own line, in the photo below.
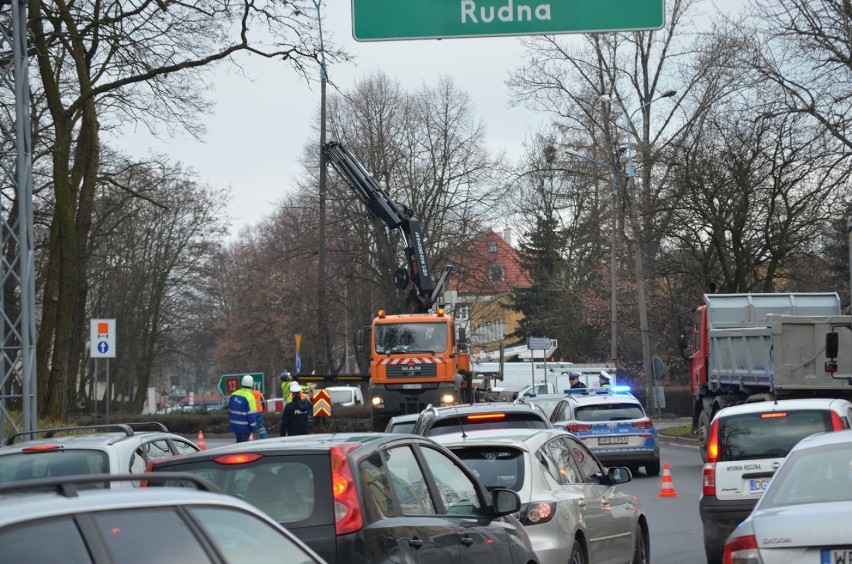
point(256, 135)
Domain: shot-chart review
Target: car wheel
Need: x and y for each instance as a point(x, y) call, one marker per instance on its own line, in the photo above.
point(640, 552)
point(652, 468)
point(703, 434)
point(577, 556)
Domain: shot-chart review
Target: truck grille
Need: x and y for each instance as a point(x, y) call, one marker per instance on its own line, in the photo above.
point(411, 370)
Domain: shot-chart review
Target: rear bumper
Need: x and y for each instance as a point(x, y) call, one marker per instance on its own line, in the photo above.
point(720, 518)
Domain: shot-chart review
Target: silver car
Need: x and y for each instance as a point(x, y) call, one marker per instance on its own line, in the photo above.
point(119, 448)
point(570, 505)
point(47, 521)
point(803, 516)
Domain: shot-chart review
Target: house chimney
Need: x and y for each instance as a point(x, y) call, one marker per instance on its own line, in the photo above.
point(507, 235)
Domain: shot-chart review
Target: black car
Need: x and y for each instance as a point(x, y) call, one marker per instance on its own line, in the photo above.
point(485, 415)
point(368, 497)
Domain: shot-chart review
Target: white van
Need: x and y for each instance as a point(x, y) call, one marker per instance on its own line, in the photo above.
point(518, 376)
point(345, 395)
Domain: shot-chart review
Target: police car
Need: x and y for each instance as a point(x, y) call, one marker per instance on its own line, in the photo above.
point(612, 423)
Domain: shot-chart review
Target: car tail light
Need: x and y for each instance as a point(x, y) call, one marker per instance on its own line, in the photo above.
point(348, 517)
point(242, 458)
point(575, 427)
point(486, 417)
point(644, 424)
point(537, 512)
point(836, 422)
point(773, 415)
point(709, 479)
point(41, 448)
point(713, 443)
point(741, 550)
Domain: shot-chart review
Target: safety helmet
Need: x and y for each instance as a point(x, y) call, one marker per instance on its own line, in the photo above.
point(295, 388)
point(248, 381)
point(285, 376)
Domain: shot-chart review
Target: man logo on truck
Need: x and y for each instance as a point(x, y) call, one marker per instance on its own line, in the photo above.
point(410, 368)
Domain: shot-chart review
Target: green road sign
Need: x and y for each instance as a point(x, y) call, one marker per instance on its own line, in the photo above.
point(379, 20)
point(229, 383)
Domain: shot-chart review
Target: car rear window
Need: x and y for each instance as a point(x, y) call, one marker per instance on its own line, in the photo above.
point(30, 465)
point(813, 475)
point(609, 412)
point(481, 421)
point(768, 434)
point(295, 490)
point(496, 467)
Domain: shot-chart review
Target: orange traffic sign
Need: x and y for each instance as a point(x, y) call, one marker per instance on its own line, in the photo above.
point(322, 403)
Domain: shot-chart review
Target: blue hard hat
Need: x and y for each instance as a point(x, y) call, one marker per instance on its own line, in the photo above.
point(285, 376)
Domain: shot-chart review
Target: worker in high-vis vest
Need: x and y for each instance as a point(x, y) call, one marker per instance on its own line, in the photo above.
point(242, 410)
point(285, 386)
point(260, 403)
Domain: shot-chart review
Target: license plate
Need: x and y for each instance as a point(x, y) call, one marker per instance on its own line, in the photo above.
point(759, 486)
point(612, 440)
point(836, 555)
point(412, 386)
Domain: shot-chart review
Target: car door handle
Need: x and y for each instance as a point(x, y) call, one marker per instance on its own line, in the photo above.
point(467, 541)
point(415, 543)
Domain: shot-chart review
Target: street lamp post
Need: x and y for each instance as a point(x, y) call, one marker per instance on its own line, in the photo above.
point(613, 172)
point(323, 176)
point(637, 254)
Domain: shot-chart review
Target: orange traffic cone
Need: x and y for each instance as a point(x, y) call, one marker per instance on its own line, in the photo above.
point(667, 486)
point(200, 441)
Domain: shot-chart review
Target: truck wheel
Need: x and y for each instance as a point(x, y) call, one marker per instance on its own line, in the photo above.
point(703, 434)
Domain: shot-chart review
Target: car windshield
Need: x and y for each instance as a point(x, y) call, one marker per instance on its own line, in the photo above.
point(411, 337)
point(768, 434)
point(482, 421)
point(623, 411)
point(33, 464)
point(496, 467)
point(814, 475)
point(547, 405)
point(341, 396)
point(292, 489)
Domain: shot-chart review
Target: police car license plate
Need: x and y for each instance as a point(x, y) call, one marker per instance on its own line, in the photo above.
point(612, 440)
point(836, 555)
point(758, 485)
point(412, 386)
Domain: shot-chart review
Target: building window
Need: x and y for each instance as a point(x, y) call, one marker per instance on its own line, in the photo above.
point(486, 333)
point(492, 246)
point(462, 311)
point(496, 273)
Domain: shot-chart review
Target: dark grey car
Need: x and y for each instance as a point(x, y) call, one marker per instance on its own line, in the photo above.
point(369, 497)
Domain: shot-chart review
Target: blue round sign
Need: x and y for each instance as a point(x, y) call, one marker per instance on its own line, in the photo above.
point(103, 347)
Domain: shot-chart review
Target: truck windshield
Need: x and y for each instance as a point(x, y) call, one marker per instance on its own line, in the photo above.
point(411, 337)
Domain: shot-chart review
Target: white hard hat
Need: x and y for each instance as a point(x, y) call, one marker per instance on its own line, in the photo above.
point(295, 387)
point(248, 381)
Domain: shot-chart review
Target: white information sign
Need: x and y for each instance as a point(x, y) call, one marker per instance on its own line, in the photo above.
point(102, 338)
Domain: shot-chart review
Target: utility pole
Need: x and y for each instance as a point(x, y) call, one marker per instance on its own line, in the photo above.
point(322, 325)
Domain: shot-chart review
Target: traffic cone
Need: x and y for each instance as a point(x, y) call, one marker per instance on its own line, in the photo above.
point(667, 486)
point(200, 441)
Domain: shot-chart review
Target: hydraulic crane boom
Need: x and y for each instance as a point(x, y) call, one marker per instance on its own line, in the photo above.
point(395, 215)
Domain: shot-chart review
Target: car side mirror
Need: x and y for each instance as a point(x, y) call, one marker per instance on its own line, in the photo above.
point(619, 475)
point(361, 339)
point(505, 501)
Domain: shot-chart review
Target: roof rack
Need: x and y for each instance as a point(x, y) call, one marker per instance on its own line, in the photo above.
point(66, 486)
point(49, 433)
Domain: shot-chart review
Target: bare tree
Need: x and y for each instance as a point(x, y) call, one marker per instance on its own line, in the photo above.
point(100, 64)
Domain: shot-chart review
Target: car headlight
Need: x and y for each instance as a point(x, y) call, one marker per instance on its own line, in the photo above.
point(377, 401)
point(447, 399)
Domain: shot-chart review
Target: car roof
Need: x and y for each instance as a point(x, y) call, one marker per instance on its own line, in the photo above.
point(835, 438)
point(307, 444)
point(467, 408)
point(601, 397)
point(404, 418)
point(789, 404)
point(527, 439)
point(110, 433)
point(28, 506)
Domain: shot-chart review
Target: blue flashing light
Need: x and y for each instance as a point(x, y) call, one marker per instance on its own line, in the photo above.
point(618, 389)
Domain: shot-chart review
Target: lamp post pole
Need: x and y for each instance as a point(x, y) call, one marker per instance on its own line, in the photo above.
point(637, 252)
point(322, 344)
point(613, 172)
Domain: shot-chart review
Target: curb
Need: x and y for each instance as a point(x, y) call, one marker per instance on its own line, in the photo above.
point(679, 441)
